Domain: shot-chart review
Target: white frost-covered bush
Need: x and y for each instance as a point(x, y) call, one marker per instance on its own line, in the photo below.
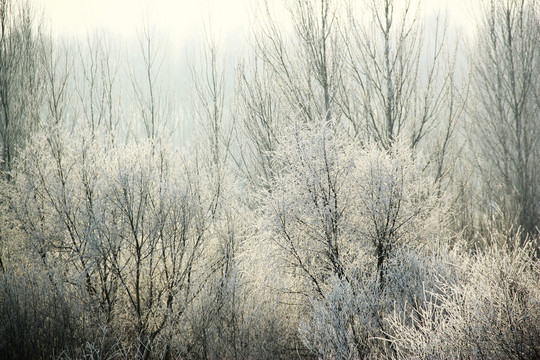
point(493, 312)
point(355, 318)
point(354, 228)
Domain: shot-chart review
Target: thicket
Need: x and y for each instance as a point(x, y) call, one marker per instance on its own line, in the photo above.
point(353, 195)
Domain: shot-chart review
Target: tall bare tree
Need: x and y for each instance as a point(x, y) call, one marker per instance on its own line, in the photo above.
point(293, 76)
point(505, 113)
point(150, 96)
point(58, 70)
point(20, 77)
point(98, 70)
point(305, 70)
point(400, 82)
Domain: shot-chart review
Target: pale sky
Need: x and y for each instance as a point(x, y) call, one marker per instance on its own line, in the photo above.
point(179, 19)
point(180, 23)
point(176, 18)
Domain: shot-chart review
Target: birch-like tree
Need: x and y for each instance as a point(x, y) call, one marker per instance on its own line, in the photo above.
point(151, 96)
point(400, 83)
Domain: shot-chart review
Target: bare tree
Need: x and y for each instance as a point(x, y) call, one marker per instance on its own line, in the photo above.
point(96, 79)
point(400, 83)
point(151, 98)
point(58, 69)
point(306, 70)
point(505, 112)
point(294, 75)
point(20, 78)
point(368, 69)
point(209, 82)
point(258, 113)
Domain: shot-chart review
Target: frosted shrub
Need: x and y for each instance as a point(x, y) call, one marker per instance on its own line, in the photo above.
point(501, 305)
point(344, 323)
point(493, 312)
point(36, 319)
point(356, 319)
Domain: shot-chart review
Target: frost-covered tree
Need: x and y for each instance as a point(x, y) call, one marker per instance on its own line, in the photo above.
point(356, 319)
point(332, 195)
point(338, 221)
point(123, 227)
